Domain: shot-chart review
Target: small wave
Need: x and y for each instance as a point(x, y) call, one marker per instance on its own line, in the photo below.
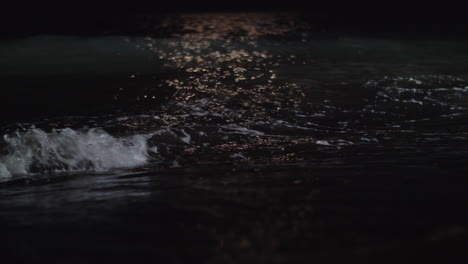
point(424, 97)
point(337, 142)
point(233, 129)
point(68, 150)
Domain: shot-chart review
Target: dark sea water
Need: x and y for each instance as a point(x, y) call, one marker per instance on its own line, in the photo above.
point(234, 138)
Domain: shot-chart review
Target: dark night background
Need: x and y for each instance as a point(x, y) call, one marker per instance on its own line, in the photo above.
point(397, 199)
point(22, 18)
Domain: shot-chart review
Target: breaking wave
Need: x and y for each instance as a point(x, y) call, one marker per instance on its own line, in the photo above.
point(68, 150)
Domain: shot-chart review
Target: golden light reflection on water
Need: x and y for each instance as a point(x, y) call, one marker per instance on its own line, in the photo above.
point(232, 25)
point(225, 77)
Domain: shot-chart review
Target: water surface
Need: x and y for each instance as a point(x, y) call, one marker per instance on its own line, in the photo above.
point(235, 138)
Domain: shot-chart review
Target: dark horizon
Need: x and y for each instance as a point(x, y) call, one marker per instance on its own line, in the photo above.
point(105, 17)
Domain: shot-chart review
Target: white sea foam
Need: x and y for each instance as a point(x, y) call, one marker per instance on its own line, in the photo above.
point(68, 150)
point(233, 129)
point(323, 142)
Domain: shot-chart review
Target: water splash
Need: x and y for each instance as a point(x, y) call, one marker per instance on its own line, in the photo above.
point(68, 150)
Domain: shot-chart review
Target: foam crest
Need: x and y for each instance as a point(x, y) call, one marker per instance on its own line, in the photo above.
point(68, 150)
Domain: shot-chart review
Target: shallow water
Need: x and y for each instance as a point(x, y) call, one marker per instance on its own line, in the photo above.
point(233, 138)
